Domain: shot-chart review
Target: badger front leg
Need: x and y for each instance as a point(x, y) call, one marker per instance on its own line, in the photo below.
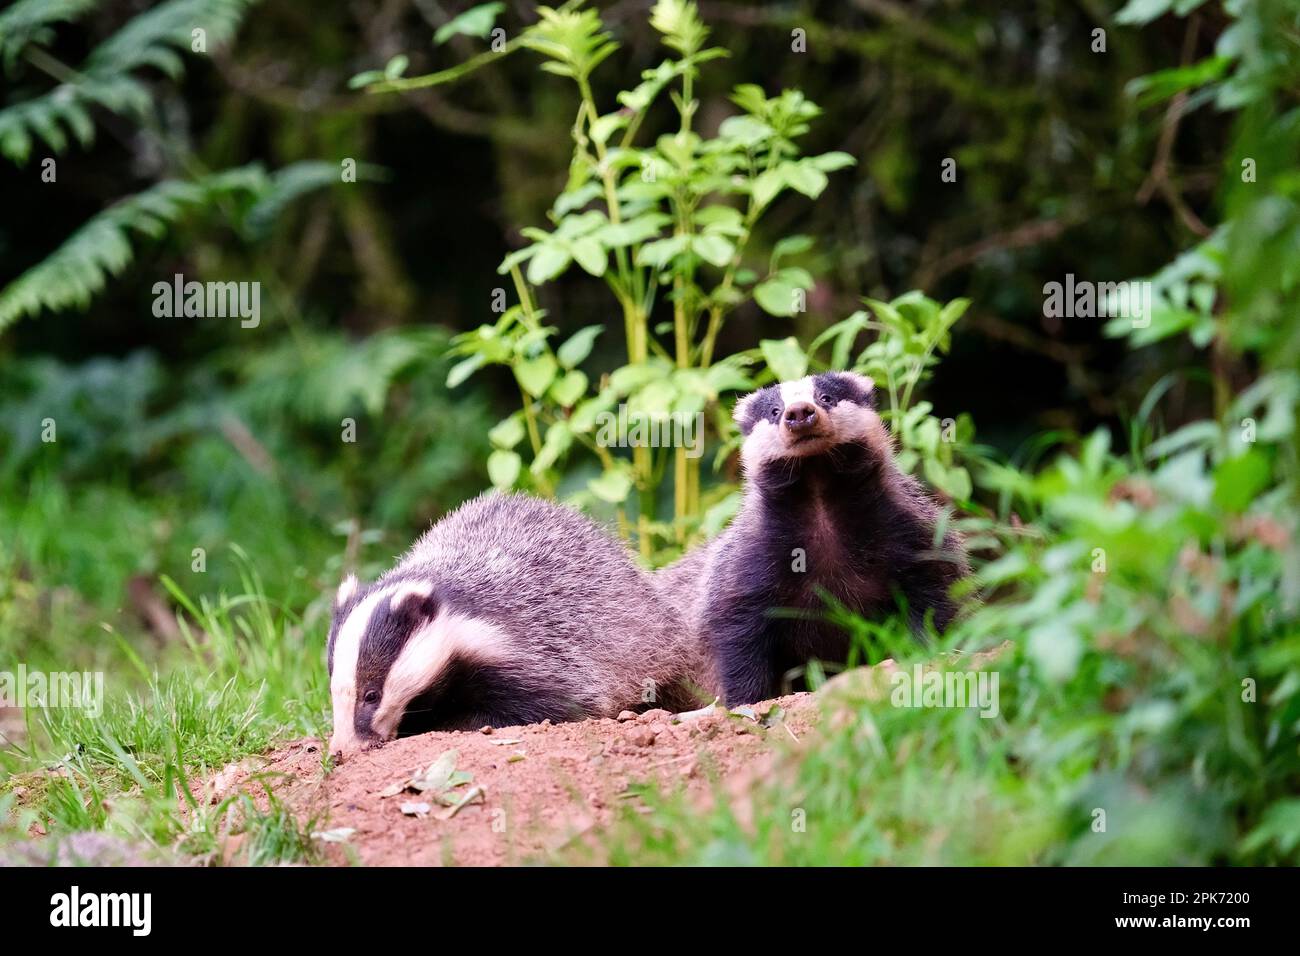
point(925, 588)
point(744, 646)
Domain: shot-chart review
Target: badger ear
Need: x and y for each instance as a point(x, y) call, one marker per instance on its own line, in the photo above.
point(345, 591)
point(865, 385)
point(744, 409)
point(413, 597)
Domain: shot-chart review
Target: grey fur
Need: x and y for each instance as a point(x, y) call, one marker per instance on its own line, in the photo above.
point(588, 632)
point(832, 491)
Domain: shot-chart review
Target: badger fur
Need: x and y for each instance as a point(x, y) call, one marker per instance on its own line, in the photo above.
point(509, 610)
point(825, 508)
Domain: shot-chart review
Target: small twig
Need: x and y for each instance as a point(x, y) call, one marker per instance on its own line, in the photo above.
point(1158, 180)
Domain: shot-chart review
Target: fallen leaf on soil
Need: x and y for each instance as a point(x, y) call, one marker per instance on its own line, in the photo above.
point(694, 714)
point(338, 835)
point(471, 795)
point(439, 774)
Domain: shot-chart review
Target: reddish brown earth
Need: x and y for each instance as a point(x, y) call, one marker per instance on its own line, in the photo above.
point(544, 787)
point(546, 790)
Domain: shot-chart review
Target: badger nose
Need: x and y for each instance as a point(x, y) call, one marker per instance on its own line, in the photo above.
point(800, 415)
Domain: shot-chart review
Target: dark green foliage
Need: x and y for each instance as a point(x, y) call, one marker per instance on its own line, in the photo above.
point(1132, 512)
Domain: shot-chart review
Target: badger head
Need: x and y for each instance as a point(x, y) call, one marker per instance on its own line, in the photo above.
point(809, 416)
point(388, 645)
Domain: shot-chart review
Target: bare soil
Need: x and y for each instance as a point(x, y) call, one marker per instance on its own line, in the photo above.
point(536, 793)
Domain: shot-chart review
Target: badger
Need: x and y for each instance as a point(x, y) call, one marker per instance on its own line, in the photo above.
point(825, 510)
point(510, 610)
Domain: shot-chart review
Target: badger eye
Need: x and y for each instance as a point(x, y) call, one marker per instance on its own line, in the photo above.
point(775, 412)
point(826, 400)
point(372, 697)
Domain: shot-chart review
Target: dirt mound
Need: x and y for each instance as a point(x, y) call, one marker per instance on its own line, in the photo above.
point(516, 794)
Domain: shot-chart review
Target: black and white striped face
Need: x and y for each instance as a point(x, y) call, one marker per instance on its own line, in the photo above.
point(807, 417)
point(388, 643)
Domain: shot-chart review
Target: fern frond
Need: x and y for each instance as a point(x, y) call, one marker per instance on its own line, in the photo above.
point(79, 269)
point(152, 39)
point(318, 378)
point(30, 22)
point(296, 179)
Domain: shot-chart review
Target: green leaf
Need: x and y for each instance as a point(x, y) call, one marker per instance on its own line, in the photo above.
point(558, 439)
point(365, 78)
point(576, 198)
point(785, 358)
point(1141, 12)
point(503, 468)
point(396, 66)
point(790, 246)
point(474, 22)
point(721, 219)
point(548, 262)
point(1237, 481)
point(716, 518)
point(1157, 87)
point(536, 375)
point(633, 231)
point(464, 369)
point(606, 126)
point(508, 432)
point(578, 346)
point(766, 187)
point(656, 398)
point(805, 178)
point(745, 131)
point(829, 162)
point(954, 482)
point(569, 388)
point(590, 254)
point(629, 378)
point(661, 252)
point(713, 249)
point(777, 295)
point(724, 376)
point(612, 485)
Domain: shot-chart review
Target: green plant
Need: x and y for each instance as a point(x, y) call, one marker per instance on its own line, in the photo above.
point(669, 220)
point(246, 198)
point(1150, 692)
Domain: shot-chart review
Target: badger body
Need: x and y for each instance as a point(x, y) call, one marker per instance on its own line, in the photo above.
point(509, 610)
point(825, 511)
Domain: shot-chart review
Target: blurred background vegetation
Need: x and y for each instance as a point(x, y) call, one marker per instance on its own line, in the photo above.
point(1108, 156)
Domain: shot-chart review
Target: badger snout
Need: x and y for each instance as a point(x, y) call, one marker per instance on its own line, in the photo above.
point(350, 743)
point(800, 417)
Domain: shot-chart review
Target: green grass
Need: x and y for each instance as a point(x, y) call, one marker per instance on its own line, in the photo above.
point(1148, 707)
point(1123, 698)
point(247, 675)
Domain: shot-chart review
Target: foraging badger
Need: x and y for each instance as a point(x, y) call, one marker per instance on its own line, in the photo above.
point(509, 610)
point(825, 508)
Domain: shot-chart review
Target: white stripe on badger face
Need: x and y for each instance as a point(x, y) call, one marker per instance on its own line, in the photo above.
point(347, 588)
point(800, 390)
point(423, 657)
point(843, 422)
point(343, 682)
point(767, 440)
point(408, 590)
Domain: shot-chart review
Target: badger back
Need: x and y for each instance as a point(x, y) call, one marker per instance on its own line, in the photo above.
point(566, 592)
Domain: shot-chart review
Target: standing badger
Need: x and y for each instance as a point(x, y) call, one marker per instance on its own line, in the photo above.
point(825, 508)
point(509, 610)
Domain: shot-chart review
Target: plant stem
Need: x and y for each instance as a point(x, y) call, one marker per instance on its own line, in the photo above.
point(530, 416)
